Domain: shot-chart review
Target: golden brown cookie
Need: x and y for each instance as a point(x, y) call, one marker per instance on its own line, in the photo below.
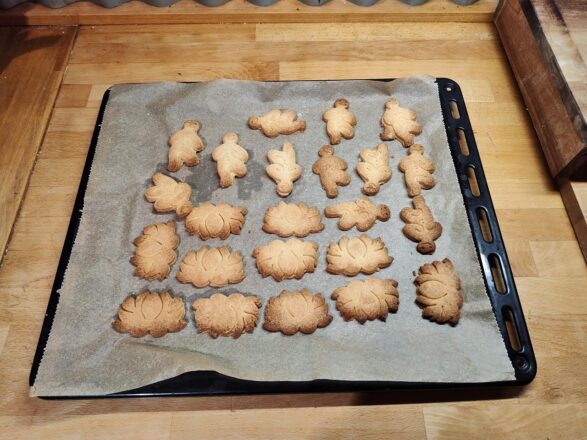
point(168, 195)
point(283, 168)
point(150, 313)
point(286, 260)
point(367, 300)
point(420, 225)
point(231, 160)
point(276, 122)
point(156, 251)
point(184, 146)
point(332, 171)
point(222, 315)
point(362, 213)
point(292, 312)
point(340, 122)
point(287, 219)
point(417, 171)
point(374, 168)
point(215, 221)
point(214, 267)
point(399, 123)
point(438, 291)
point(358, 254)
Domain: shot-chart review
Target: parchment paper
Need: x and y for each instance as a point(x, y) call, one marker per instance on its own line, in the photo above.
point(84, 355)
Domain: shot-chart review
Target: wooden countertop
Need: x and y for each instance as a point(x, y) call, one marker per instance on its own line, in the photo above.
point(548, 265)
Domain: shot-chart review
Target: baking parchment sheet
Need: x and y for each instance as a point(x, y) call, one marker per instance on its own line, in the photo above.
point(85, 356)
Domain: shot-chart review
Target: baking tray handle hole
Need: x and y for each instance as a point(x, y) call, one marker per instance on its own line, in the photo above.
point(464, 146)
point(484, 225)
point(513, 336)
point(497, 273)
point(454, 109)
point(473, 184)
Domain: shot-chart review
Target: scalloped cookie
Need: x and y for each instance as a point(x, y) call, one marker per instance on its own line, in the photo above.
point(226, 315)
point(287, 219)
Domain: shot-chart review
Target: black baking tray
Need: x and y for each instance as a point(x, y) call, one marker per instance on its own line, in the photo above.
point(488, 242)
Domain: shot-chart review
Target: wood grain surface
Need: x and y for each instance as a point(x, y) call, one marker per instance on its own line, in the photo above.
point(32, 61)
point(549, 269)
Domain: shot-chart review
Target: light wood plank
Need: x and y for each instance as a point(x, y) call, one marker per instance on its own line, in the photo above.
point(559, 259)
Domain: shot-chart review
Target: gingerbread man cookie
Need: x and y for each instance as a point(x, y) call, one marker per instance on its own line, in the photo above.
point(214, 267)
point(222, 315)
point(374, 168)
point(399, 123)
point(215, 221)
point(184, 146)
point(367, 300)
point(417, 171)
point(340, 122)
point(362, 213)
point(156, 251)
point(287, 219)
point(283, 168)
point(167, 195)
point(231, 160)
point(276, 122)
point(286, 260)
point(420, 225)
point(358, 254)
point(332, 171)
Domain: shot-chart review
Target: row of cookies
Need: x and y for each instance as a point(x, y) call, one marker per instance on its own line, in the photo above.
point(438, 292)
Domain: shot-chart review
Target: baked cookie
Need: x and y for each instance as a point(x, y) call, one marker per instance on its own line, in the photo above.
point(184, 146)
point(168, 195)
point(362, 213)
point(399, 123)
point(332, 171)
point(156, 251)
point(420, 225)
point(150, 313)
point(283, 168)
point(287, 219)
point(292, 312)
point(276, 122)
point(358, 254)
point(417, 171)
point(215, 221)
point(438, 291)
point(374, 168)
point(214, 267)
point(231, 160)
point(340, 122)
point(286, 260)
point(222, 315)
point(367, 300)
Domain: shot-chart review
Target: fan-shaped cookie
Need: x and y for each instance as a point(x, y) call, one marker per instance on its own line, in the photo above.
point(214, 267)
point(439, 292)
point(156, 251)
point(362, 213)
point(184, 146)
point(283, 168)
point(215, 221)
point(231, 160)
point(150, 313)
point(358, 254)
point(374, 168)
point(287, 219)
point(399, 123)
point(167, 195)
point(332, 171)
point(222, 315)
point(276, 122)
point(340, 122)
point(292, 312)
point(420, 225)
point(367, 300)
point(417, 171)
point(286, 260)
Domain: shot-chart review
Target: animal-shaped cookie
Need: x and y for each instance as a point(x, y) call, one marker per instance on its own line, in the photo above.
point(156, 251)
point(362, 213)
point(222, 315)
point(374, 168)
point(168, 195)
point(420, 225)
point(215, 221)
point(399, 123)
point(154, 313)
point(367, 300)
point(438, 291)
point(184, 146)
point(214, 267)
point(340, 122)
point(358, 254)
point(292, 312)
point(283, 168)
point(286, 260)
point(287, 219)
point(332, 171)
point(417, 171)
point(276, 122)
point(231, 160)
